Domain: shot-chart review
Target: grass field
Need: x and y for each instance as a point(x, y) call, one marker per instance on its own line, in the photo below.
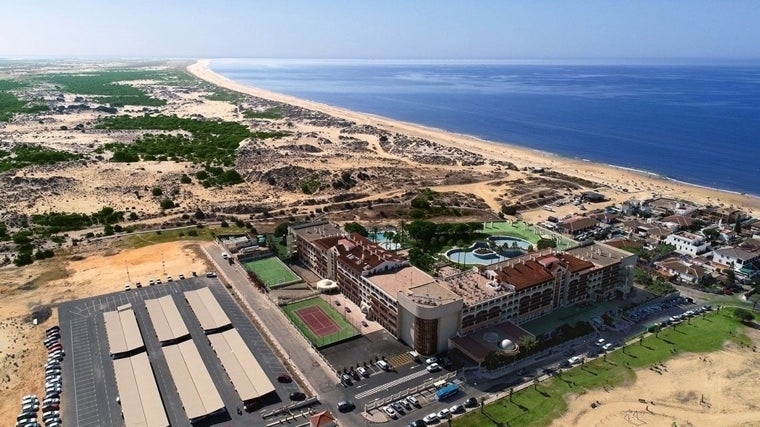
point(541, 405)
point(271, 271)
point(139, 240)
point(520, 230)
point(346, 329)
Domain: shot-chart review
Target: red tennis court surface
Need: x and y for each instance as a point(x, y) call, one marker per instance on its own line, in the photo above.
point(317, 320)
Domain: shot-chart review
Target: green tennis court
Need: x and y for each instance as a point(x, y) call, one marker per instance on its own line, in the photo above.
point(317, 320)
point(272, 272)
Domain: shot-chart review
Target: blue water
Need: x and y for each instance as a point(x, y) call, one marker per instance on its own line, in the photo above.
point(699, 124)
point(514, 247)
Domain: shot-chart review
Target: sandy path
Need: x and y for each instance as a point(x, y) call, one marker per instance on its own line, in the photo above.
point(716, 389)
point(639, 185)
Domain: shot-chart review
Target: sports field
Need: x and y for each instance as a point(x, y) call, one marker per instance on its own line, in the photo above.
point(271, 271)
point(319, 322)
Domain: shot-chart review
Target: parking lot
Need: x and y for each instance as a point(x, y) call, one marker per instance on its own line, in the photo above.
point(90, 394)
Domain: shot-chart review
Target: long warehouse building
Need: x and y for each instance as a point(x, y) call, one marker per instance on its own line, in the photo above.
point(245, 372)
point(139, 398)
point(169, 326)
point(208, 311)
point(197, 391)
point(123, 333)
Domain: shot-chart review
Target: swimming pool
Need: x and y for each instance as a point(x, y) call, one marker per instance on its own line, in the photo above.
point(494, 249)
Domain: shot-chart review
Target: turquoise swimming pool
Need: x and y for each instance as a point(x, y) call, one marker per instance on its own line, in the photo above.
point(494, 249)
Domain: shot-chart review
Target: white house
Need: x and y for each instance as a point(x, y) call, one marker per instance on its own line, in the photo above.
point(688, 243)
point(737, 258)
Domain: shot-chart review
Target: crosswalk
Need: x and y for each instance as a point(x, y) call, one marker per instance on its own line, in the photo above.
point(386, 386)
point(401, 359)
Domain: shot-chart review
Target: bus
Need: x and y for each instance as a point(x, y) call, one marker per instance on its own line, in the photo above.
point(447, 392)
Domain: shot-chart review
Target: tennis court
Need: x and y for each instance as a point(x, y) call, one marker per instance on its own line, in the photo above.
point(319, 322)
point(272, 272)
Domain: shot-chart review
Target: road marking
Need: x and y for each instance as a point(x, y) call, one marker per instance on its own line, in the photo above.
point(393, 383)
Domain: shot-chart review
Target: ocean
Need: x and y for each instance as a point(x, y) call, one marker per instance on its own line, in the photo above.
point(693, 123)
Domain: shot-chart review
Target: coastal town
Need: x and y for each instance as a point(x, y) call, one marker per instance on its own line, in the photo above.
point(179, 249)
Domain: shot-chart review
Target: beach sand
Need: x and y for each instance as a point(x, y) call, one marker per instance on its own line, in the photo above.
point(639, 185)
point(713, 389)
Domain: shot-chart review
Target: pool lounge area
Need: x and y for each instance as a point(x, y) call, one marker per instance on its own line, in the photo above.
point(494, 249)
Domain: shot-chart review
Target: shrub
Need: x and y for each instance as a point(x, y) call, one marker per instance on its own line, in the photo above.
point(167, 204)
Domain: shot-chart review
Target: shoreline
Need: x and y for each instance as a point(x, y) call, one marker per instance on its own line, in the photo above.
point(644, 183)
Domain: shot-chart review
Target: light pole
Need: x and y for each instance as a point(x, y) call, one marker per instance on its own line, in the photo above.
point(163, 264)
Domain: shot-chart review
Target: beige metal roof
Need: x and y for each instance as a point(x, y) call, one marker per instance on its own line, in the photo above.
point(207, 309)
point(244, 370)
point(196, 389)
point(138, 394)
point(122, 330)
point(166, 319)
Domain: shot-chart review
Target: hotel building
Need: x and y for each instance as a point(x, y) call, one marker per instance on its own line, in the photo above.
point(426, 312)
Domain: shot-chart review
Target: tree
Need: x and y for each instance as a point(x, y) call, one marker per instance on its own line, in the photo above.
point(167, 204)
point(738, 226)
point(527, 342)
point(744, 315)
point(157, 191)
point(185, 179)
point(421, 259)
point(355, 227)
point(282, 228)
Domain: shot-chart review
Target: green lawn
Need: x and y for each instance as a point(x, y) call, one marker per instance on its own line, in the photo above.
point(347, 330)
point(271, 271)
point(530, 407)
point(520, 230)
point(565, 315)
point(146, 239)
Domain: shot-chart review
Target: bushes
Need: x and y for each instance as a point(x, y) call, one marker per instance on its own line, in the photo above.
point(27, 155)
point(167, 204)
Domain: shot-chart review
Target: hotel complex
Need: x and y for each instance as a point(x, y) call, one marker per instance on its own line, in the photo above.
point(426, 312)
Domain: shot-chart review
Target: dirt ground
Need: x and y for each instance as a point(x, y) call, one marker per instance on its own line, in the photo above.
point(35, 291)
point(714, 389)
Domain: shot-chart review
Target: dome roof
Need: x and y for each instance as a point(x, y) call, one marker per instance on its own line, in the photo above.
point(507, 345)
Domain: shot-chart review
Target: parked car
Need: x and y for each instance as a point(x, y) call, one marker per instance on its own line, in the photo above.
point(471, 402)
point(456, 409)
point(210, 274)
point(297, 395)
point(398, 408)
point(431, 360)
point(444, 413)
point(151, 282)
point(608, 346)
point(181, 276)
point(417, 423)
point(284, 378)
point(362, 371)
point(383, 365)
point(390, 411)
point(600, 342)
point(413, 400)
point(127, 287)
point(169, 279)
point(346, 379)
point(430, 418)
point(433, 367)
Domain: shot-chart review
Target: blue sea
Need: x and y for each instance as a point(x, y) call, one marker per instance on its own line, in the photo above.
point(694, 123)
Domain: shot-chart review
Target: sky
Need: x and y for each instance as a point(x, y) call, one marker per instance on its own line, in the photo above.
point(381, 29)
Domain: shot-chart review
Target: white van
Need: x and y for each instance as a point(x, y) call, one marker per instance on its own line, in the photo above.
point(383, 365)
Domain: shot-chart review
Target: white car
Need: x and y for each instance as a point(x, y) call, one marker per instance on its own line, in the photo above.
point(456, 409)
point(390, 411)
point(444, 413)
point(600, 342)
point(413, 400)
point(431, 360)
point(574, 360)
point(362, 371)
point(433, 367)
point(608, 346)
point(430, 418)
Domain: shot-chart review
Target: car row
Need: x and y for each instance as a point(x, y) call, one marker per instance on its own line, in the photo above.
point(401, 406)
point(151, 282)
point(53, 378)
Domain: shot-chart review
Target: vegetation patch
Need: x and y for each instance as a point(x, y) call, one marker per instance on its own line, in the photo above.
point(272, 113)
point(211, 142)
point(107, 88)
point(28, 155)
point(10, 104)
point(163, 236)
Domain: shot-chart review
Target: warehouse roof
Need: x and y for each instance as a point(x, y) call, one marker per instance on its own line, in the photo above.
point(140, 400)
point(207, 309)
point(244, 370)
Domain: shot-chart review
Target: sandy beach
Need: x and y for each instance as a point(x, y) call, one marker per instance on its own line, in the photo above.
point(713, 389)
point(639, 185)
